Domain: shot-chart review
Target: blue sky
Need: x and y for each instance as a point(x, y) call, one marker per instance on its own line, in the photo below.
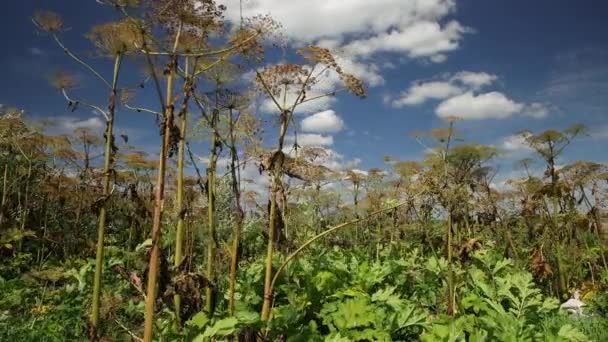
point(504, 65)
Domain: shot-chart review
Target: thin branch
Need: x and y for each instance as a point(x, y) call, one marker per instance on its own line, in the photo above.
point(141, 109)
point(135, 337)
point(201, 54)
point(267, 89)
point(81, 62)
point(67, 97)
point(333, 93)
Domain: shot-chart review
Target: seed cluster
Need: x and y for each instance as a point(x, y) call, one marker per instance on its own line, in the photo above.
point(48, 21)
point(117, 37)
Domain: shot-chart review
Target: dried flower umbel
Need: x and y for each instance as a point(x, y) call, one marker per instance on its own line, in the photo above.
point(199, 17)
point(48, 21)
point(117, 38)
point(62, 80)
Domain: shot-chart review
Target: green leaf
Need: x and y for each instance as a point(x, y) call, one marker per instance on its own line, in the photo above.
point(147, 243)
point(571, 334)
point(223, 327)
point(199, 320)
point(500, 265)
point(337, 338)
point(247, 317)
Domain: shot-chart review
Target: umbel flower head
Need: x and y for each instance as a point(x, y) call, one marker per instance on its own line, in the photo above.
point(63, 80)
point(284, 77)
point(199, 17)
point(276, 78)
point(319, 55)
point(48, 21)
point(117, 37)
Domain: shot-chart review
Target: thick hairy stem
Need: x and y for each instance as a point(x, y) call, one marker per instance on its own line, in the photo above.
point(156, 229)
point(26, 204)
point(4, 193)
point(158, 199)
point(211, 224)
point(270, 250)
point(238, 224)
point(106, 192)
point(179, 234)
point(451, 289)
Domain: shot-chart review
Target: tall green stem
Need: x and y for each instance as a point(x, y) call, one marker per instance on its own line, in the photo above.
point(179, 234)
point(277, 171)
point(211, 243)
point(159, 195)
point(238, 216)
point(4, 192)
point(106, 192)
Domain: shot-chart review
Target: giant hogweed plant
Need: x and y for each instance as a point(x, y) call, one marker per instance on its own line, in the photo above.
point(288, 86)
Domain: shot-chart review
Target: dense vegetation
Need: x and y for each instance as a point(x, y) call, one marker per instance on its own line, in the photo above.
point(100, 241)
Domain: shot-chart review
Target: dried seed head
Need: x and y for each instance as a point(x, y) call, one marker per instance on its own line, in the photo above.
point(191, 43)
point(354, 85)
point(197, 16)
point(250, 36)
point(316, 54)
point(228, 99)
point(117, 38)
point(126, 95)
point(247, 43)
point(48, 21)
point(63, 80)
point(278, 77)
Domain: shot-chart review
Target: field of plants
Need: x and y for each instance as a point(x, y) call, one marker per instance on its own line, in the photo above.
point(102, 241)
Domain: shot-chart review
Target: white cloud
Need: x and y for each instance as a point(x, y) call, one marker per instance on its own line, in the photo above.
point(461, 98)
point(536, 110)
point(493, 105)
point(317, 19)
point(311, 140)
point(420, 92)
point(421, 39)
point(69, 124)
point(440, 58)
point(366, 72)
point(323, 122)
point(474, 80)
point(416, 28)
point(515, 146)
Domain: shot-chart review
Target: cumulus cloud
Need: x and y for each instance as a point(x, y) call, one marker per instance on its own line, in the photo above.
point(493, 105)
point(474, 80)
point(323, 122)
point(419, 91)
point(515, 146)
point(311, 140)
point(421, 39)
point(69, 124)
point(336, 18)
point(462, 97)
point(536, 110)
